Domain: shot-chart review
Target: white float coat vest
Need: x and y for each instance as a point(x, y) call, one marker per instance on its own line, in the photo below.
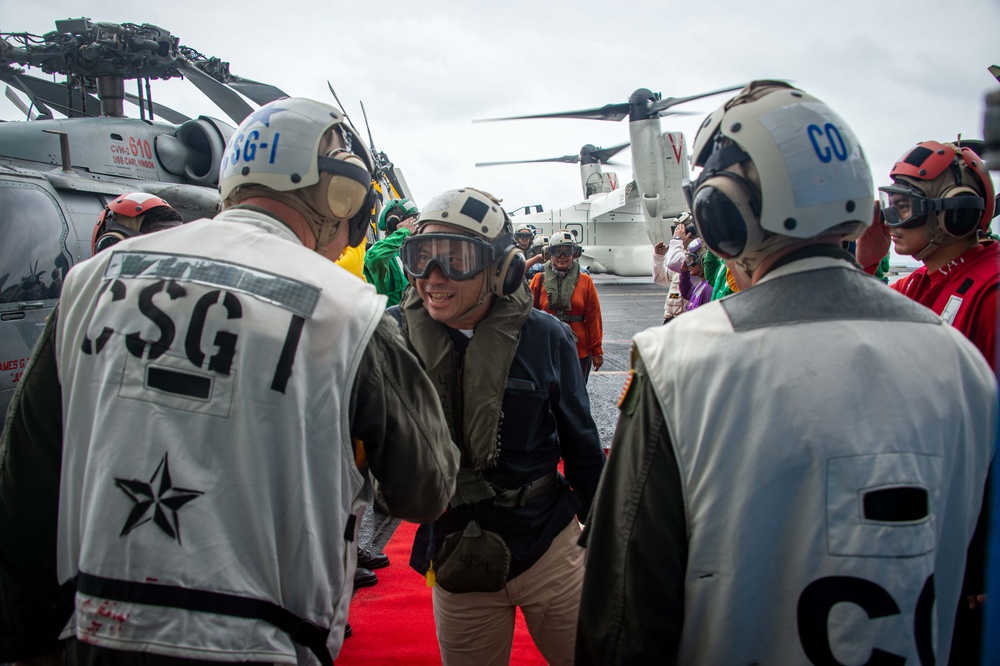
point(790, 406)
point(206, 375)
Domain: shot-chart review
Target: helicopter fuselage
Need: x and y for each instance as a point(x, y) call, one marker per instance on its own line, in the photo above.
point(56, 176)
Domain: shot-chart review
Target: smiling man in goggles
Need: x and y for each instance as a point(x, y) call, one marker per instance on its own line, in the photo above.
point(458, 256)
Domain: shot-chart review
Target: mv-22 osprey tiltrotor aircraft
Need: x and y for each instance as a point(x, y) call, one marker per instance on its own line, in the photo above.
point(618, 226)
point(78, 150)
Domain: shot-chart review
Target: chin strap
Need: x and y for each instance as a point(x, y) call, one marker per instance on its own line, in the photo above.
point(936, 238)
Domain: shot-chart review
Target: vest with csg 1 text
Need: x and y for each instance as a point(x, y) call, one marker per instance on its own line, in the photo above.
point(206, 374)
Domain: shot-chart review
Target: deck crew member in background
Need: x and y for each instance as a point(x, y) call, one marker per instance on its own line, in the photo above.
point(568, 293)
point(382, 266)
point(523, 236)
point(510, 382)
point(938, 210)
point(694, 288)
point(180, 450)
point(129, 215)
point(540, 254)
point(667, 262)
point(822, 514)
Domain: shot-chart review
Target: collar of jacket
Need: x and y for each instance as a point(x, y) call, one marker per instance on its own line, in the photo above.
point(560, 290)
point(484, 370)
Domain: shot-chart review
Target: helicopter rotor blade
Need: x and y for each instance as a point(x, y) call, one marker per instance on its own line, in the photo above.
point(221, 95)
point(613, 112)
point(605, 154)
point(664, 114)
point(259, 93)
point(165, 112)
point(616, 112)
point(44, 94)
point(567, 159)
point(664, 104)
point(19, 103)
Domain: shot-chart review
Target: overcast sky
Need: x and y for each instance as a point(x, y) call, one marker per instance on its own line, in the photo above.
point(897, 72)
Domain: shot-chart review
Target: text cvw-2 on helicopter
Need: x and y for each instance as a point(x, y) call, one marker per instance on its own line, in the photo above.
point(617, 227)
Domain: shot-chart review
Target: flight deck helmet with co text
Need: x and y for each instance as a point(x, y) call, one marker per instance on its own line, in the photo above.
point(308, 156)
point(778, 167)
point(484, 242)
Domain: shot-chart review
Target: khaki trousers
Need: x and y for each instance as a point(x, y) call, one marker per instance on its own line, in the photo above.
point(477, 628)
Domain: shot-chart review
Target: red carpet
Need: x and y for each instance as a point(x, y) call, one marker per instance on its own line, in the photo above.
point(393, 621)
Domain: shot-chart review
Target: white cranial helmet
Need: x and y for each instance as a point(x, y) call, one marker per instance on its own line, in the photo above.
point(776, 161)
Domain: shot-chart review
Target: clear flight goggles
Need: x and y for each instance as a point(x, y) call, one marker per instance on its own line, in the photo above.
point(562, 251)
point(908, 208)
point(459, 257)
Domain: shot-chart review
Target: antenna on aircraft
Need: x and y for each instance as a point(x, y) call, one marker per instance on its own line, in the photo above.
point(342, 109)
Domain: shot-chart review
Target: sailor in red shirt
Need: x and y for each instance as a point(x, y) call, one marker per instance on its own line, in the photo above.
point(940, 203)
point(938, 210)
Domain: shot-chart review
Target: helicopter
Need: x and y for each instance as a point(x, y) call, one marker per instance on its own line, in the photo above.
point(617, 226)
point(77, 150)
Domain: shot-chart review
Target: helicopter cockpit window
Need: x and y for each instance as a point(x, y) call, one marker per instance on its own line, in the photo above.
point(32, 264)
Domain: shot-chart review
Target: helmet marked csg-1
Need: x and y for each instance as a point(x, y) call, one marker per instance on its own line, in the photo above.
point(278, 147)
point(776, 161)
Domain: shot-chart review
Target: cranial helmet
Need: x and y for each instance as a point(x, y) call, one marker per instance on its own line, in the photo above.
point(130, 215)
point(479, 214)
point(942, 183)
point(307, 156)
point(395, 212)
point(540, 242)
point(778, 166)
point(564, 237)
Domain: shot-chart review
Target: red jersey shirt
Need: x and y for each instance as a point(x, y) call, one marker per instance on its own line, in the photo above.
point(963, 293)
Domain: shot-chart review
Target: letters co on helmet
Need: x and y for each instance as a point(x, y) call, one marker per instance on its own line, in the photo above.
point(776, 161)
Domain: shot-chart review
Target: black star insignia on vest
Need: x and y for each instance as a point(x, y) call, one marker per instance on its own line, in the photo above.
point(165, 498)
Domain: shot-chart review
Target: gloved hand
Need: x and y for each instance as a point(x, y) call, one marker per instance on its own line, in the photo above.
point(873, 243)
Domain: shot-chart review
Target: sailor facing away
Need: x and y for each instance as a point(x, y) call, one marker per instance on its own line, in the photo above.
point(798, 468)
point(186, 457)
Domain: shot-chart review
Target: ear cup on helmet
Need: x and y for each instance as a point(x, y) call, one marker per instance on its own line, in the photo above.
point(107, 239)
point(343, 185)
point(508, 272)
point(726, 210)
point(360, 223)
point(962, 221)
point(344, 192)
